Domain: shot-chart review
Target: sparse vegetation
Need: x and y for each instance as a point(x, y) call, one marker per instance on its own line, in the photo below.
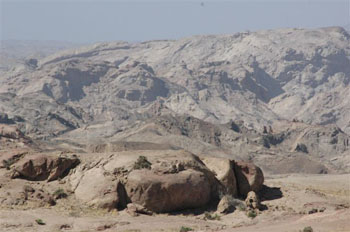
point(251, 214)
point(40, 221)
point(308, 229)
point(142, 163)
point(60, 193)
point(208, 216)
point(185, 229)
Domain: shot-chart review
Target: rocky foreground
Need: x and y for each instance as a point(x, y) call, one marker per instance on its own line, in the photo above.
point(140, 181)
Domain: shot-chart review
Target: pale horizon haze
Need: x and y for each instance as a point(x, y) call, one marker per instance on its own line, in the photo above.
point(96, 21)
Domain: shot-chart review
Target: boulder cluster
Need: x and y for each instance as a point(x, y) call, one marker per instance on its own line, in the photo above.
point(169, 181)
point(166, 181)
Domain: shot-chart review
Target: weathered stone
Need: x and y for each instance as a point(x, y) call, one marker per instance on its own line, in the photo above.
point(249, 177)
point(168, 192)
point(223, 170)
point(101, 191)
point(252, 201)
point(135, 209)
point(43, 167)
point(225, 205)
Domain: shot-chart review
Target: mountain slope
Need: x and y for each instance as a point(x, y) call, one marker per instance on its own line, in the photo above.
point(257, 79)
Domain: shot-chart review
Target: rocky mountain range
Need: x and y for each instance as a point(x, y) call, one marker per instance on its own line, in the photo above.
point(292, 83)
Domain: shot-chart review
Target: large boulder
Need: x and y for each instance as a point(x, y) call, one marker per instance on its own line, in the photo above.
point(223, 170)
point(96, 188)
point(160, 181)
point(249, 177)
point(168, 192)
point(43, 167)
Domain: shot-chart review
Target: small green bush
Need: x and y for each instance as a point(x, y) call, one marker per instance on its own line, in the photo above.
point(40, 221)
point(208, 216)
point(142, 162)
point(185, 229)
point(59, 193)
point(251, 214)
point(308, 229)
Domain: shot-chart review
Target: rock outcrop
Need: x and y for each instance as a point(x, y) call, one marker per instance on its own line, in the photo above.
point(159, 180)
point(10, 131)
point(43, 167)
point(249, 177)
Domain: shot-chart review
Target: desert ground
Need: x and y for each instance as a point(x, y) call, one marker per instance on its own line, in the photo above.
point(295, 194)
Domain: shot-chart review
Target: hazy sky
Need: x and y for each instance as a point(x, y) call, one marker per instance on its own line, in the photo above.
point(101, 20)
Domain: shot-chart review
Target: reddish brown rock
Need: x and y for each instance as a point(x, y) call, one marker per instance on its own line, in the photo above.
point(43, 167)
point(249, 177)
point(168, 192)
